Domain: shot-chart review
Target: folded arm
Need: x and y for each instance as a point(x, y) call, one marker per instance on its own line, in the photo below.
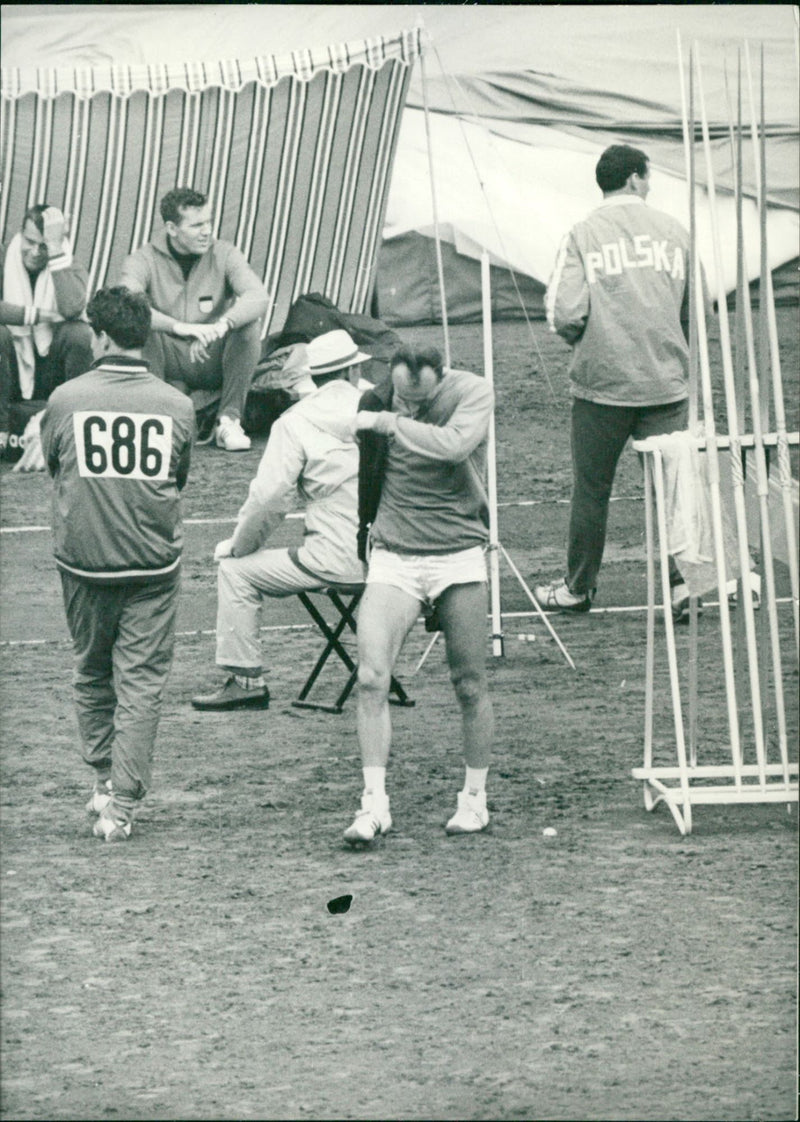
point(452, 442)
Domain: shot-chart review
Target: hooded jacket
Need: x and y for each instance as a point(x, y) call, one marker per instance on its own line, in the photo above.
point(311, 457)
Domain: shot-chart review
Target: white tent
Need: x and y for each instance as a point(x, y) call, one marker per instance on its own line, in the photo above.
point(522, 100)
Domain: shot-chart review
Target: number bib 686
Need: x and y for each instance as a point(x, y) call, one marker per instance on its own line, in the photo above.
point(123, 445)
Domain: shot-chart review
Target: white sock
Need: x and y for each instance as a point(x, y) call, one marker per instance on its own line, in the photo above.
point(256, 682)
point(375, 781)
point(475, 780)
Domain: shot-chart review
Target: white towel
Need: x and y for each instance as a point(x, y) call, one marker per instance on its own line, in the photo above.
point(17, 289)
point(688, 510)
point(687, 501)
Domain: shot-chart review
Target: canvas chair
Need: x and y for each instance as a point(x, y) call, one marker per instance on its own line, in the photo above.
point(342, 601)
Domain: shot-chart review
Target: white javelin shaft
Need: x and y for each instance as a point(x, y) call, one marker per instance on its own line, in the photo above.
point(735, 453)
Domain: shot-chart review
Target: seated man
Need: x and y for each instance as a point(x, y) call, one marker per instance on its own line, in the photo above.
point(43, 341)
point(208, 306)
point(311, 453)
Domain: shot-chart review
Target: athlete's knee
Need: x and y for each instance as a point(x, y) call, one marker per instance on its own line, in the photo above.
point(470, 687)
point(373, 681)
point(248, 331)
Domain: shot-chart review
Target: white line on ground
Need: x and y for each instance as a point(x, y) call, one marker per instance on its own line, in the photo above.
point(300, 514)
point(627, 610)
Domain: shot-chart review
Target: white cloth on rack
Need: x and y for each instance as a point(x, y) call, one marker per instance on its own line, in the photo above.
point(689, 512)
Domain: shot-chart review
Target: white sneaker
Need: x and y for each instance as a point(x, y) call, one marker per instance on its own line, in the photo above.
point(101, 797)
point(373, 819)
point(112, 829)
point(471, 816)
point(556, 597)
point(230, 435)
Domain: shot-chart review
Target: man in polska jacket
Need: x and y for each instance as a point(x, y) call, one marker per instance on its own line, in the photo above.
point(619, 294)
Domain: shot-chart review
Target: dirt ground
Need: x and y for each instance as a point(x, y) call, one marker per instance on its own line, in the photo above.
point(616, 970)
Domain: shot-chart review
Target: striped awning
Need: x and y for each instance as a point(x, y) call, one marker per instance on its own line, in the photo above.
point(295, 155)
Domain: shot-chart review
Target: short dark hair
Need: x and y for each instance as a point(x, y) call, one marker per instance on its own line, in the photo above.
point(122, 314)
point(178, 199)
point(34, 214)
point(617, 164)
point(415, 360)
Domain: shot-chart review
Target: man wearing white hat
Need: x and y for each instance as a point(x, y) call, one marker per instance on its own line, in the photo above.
point(311, 453)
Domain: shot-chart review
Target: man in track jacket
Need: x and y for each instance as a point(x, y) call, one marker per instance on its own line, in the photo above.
point(117, 442)
point(619, 294)
point(208, 308)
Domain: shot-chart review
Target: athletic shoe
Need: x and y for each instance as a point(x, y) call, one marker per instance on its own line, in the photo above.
point(680, 604)
point(556, 597)
point(471, 816)
point(111, 827)
point(232, 696)
point(755, 591)
point(101, 797)
point(373, 819)
point(230, 435)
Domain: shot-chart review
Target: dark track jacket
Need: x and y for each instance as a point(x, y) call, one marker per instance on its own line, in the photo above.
point(373, 448)
point(117, 442)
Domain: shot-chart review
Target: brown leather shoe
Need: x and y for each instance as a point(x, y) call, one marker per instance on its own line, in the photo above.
point(232, 696)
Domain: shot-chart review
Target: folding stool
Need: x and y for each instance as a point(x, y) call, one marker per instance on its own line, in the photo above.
point(344, 599)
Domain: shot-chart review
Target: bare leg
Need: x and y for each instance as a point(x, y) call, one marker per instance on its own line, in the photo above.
point(385, 617)
point(462, 610)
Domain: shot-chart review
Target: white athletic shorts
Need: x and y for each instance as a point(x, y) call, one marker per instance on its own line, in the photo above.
point(426, 575)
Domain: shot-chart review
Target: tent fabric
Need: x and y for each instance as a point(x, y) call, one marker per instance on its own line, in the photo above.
point(522, 98)
point(407, 287)
point(305, 204)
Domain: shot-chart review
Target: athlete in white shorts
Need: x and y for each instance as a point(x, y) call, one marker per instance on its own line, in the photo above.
point(423, 507)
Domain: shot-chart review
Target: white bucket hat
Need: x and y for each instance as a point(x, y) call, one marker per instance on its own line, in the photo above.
point(334, 350)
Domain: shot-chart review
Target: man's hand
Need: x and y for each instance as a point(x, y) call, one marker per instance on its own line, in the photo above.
point(201, 334)
point(54, 227)
point(223, 549)
point(198, 351)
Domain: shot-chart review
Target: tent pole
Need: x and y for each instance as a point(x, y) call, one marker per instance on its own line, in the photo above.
point(491, 466)
point(437, 239)
point(495, 545)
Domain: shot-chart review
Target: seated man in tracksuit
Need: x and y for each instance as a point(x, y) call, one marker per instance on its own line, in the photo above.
point(208, 307)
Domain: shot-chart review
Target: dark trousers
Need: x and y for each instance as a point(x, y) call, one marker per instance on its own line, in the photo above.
point(229, 368)
point(70, 355)
point(599, 434)
point(123, 638)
